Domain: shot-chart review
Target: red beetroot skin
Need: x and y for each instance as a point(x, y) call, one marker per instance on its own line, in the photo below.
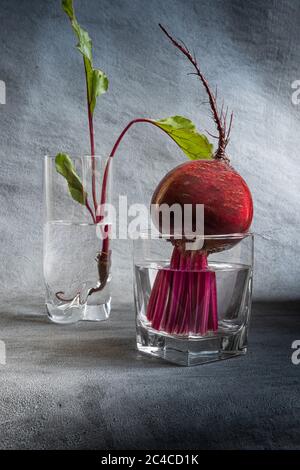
point(228, 206)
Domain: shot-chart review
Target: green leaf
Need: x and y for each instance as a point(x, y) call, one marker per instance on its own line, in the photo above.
point(67, 6)
point(97, 81)
point(183, 131)
point(84, 41)
point(99, 86)
point(65, 167)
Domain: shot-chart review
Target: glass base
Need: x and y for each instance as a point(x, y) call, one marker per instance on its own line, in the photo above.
point(192, 351)
point(97, 312)
point(65, 316)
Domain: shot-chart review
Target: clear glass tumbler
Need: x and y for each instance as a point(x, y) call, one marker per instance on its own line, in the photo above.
point(77, 254)
point(193, 305)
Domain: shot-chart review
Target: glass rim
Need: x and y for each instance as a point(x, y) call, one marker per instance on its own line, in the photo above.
point(155, 235)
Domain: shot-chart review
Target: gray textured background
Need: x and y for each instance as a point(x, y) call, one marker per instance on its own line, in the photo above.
point(249, 48)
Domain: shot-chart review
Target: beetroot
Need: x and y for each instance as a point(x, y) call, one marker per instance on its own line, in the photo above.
point(183, 299)
point(226, 197)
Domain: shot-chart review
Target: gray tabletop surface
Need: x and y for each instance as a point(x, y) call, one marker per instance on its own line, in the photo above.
point(85, 387)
